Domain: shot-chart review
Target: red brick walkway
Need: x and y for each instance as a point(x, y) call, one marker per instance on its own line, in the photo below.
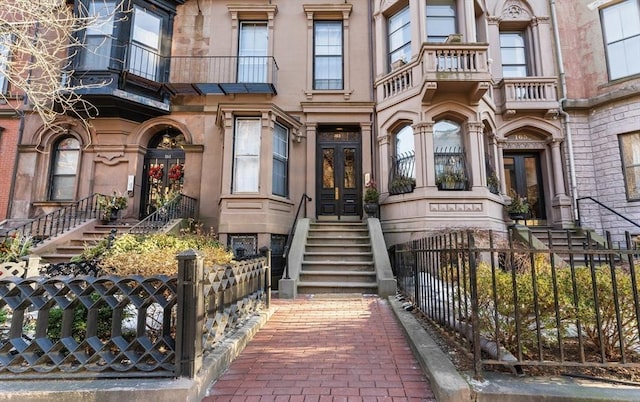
point(326, 348)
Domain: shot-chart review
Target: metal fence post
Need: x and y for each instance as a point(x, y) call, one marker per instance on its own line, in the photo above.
point(266, 252)
point(475, 319)
point(190, 313)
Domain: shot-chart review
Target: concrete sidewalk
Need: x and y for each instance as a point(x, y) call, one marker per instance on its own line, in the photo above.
point(326, 348)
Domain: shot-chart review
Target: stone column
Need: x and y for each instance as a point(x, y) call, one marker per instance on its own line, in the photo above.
point(500, 167)
point(475, 154)
point(558, 175)
point(423, 144)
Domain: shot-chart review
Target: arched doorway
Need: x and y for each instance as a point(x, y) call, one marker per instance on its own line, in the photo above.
point(163, 174)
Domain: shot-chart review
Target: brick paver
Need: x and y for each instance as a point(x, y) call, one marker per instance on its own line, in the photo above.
point(326, 348)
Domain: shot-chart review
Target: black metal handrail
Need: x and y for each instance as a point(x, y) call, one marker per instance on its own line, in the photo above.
point(59, 221)
point(287, 246)
point(603, 206)
point(179, 207)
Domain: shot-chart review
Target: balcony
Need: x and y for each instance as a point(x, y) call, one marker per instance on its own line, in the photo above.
point(223, 75)
point(125, 79)
point(439, 68)
point(527, 94)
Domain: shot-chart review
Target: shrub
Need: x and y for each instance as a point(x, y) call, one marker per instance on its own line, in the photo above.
point(14, 247)
point(79, 323)
point(500, 305)
point(156, 254)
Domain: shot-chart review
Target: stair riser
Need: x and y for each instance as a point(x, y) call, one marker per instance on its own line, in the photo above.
point(337, 226)
point(337, 267)
point(346, 248)
point(333, 277)
point(305, 290)
point(339, 242)
point(338, 257)
point(338, 233)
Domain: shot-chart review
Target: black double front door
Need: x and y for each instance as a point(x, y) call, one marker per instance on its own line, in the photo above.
point(338, 171)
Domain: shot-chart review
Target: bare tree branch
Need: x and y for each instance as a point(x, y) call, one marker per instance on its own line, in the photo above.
point(42, 38)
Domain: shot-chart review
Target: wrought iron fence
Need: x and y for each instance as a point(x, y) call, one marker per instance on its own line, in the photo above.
point(109, 326)
point(57, 222)
point(514, 305)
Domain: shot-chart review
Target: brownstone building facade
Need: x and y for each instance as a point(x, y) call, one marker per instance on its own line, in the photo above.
point(450, 107)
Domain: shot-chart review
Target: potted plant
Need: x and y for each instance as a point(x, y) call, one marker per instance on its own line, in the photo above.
point(371, 198)
point(518, 208)
point(451, 180)
point(110, 205)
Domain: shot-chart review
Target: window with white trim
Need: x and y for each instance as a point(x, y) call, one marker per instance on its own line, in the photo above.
point(64, 169)
point(441, 20)
point(399, 31)
point(513, 54)
point(621, 26)
point(280, 160)
point(246, 155)
point(144, 54)
point(252, 52)
point(327, 55)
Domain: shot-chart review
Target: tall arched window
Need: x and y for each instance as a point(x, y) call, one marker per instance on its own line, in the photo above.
point(403, 168)
point(450, 163)
point(64, 169)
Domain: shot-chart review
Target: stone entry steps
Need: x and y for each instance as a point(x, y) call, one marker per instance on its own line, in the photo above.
point(73, 247)
point(338, 259)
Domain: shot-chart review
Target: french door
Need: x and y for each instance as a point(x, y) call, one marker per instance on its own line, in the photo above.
point(338, 171)
point(523, 176)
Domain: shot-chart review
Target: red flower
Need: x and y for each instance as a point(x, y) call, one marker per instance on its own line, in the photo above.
point(156, 172)
point(176, 172)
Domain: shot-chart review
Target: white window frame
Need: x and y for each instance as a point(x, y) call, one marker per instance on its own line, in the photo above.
point(60, 171)
point(144, 51)
point(280, 158)
point(621, 34)
point(246, 155)
point(431, 19)
point(399, 27)
point(326, 52)
point(522, 53)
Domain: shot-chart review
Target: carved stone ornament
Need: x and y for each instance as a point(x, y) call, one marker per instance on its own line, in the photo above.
point(514, 11)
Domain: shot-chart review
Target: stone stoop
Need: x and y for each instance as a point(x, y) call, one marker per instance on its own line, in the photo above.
point(560, 239)
point(82, 238)
point(338, 259)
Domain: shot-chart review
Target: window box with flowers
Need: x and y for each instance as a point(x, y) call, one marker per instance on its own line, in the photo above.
point(371, 198)
point(451, 180)
point(110, 205)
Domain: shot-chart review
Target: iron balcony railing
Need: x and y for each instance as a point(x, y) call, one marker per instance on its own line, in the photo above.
point(187, 74)
point(516, 306)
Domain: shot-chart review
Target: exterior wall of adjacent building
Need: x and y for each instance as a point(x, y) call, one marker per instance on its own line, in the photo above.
point(601, 110)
